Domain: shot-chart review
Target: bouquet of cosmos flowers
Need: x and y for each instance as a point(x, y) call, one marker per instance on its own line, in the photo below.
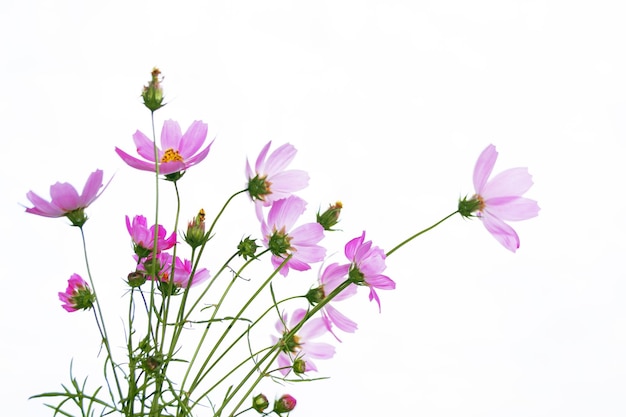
point(156, 373)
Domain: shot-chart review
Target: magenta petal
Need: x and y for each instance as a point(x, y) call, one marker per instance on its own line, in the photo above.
point(352, 246)
point(519, 208)
point(64, 196)
point(260, 161)
point(512, 182)
point(280, 159)
point(200, 156)
point(145, 147)
point(484, 166)
point(318, 350)
point(134, 162)
point(43, 207)
point(193, 139)
point(171, 135)
point(90, 191)
point(501, 231)
point(339, 320)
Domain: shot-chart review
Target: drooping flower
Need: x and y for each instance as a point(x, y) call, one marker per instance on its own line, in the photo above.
point(331, 277)
point(367, 264)
point(182, 271)
point(65, 200)
point(499, 199)
point(78, 295)
point(178, 152)
point(301, 347)
point(284, 404)
point(270, 181)
point(282, 241)
point(143, 238)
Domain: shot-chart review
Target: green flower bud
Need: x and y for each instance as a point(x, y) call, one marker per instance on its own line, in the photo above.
point(284, 404)
point(247, 248)
point(299, 366)
point(315, 295)
point(196, 235)
point(136, 279)
point(260, 403)
point(153, 93)
point(330, 217)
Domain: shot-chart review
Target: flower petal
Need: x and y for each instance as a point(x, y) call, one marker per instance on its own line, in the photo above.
point(193, 139)
point(64, 196)
point(171, 135)
point(512, 182)
point(512, 208)
point(501, 231)
point(484, 166)
point(145, 147)
point(134, 162)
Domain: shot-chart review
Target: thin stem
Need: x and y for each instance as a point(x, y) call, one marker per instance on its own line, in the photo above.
point(101, 326)
point(421, 232)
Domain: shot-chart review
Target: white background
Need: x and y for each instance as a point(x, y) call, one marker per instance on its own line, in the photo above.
point(388, 103)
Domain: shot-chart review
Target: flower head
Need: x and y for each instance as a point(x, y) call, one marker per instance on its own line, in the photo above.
point(178, 152)
point(78, 295)
point(143, 238)
point(299, 243)
point(301, 345)
point(270, 181)
point(367, 263)
point(65, 200)
point(331, 277)
point(500, 199)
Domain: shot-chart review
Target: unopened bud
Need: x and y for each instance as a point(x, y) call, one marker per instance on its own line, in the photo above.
point(153, 93)
point(136, 279)
point(247, 248)
point(196, 236)
point(284, 404)
point(330, 217)
point(260, 403)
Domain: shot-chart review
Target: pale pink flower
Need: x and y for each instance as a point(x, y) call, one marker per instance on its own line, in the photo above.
point(301, 346)
point(77, 296)
point(367, 266)
point(333, 276)
point(178, 152)
point(65, 199)
point(500, 199)
point(270, 181)
point(143, 238)
point(282, 241)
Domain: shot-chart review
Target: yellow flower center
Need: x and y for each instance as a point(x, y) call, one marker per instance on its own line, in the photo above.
point(171, 155)
point(481, 205)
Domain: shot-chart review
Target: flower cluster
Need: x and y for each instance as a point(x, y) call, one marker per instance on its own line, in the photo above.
point(174, 293)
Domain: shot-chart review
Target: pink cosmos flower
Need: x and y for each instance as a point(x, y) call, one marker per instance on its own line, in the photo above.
point(65, 200)
point(178, 152)
point(143, 238)
point(301, 347)
point(367, 265)
point(500, 199)
point(270, 181)
point(77, 296)
point(300, 242)
point(334, 275)
point(182, 271)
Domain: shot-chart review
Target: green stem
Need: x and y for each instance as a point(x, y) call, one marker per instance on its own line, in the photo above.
point(101, 326)
point(420, 233)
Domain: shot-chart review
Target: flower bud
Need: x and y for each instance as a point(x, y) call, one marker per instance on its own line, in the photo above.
point(299, 366)
point(330, 217)
point(247, 248)
point(196, 236)
point(284, 404)
point(78, 295)
point(260, 403)
point(136, 279)
point(315, 295)
point(153, 93)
